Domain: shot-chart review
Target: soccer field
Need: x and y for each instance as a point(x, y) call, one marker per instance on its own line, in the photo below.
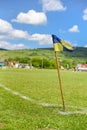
point(31, 100)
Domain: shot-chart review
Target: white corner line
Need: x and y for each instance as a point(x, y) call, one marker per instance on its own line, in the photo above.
point(82, 110)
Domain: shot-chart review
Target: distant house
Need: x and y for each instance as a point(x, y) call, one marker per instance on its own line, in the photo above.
point(81, 67)
point(2, 62)
point(14, 64)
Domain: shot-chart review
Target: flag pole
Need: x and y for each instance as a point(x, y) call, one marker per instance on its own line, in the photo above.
point(60, 83)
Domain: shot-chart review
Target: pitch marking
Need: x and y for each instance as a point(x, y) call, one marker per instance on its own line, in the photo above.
point(83, 110)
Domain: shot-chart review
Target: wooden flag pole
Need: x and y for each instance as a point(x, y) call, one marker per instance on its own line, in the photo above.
point(60, 83)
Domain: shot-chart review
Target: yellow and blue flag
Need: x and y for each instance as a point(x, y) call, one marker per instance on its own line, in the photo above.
point(60, 45)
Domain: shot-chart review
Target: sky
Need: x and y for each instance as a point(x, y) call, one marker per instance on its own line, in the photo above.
point(28, 24)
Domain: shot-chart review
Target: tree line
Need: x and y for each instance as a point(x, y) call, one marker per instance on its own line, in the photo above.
point(46, 63)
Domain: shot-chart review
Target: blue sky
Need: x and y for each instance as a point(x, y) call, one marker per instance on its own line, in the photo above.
point(30, 23)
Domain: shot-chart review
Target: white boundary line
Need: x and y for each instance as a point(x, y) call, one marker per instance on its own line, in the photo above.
point(82, 110)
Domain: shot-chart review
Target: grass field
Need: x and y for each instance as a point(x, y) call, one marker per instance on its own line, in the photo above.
point(31, 100)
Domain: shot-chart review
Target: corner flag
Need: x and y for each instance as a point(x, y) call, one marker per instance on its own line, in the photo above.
point(60, 45)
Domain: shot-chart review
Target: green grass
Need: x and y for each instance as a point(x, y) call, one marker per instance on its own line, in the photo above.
point(42, 86)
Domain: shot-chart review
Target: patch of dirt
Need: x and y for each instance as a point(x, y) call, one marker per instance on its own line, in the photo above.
point(2, 125)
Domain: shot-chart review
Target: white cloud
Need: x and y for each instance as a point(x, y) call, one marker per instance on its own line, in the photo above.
point(85, 46)
point(53, 5)
point(85, 14)
point(7, 45)
point(7, 32)
point(74, 29)
point(41, 38)
point(19, 34)
point(5, 27)
point(31, 17)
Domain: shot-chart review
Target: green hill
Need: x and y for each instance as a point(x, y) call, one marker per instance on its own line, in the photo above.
point(25, 56)
point(80, 52)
